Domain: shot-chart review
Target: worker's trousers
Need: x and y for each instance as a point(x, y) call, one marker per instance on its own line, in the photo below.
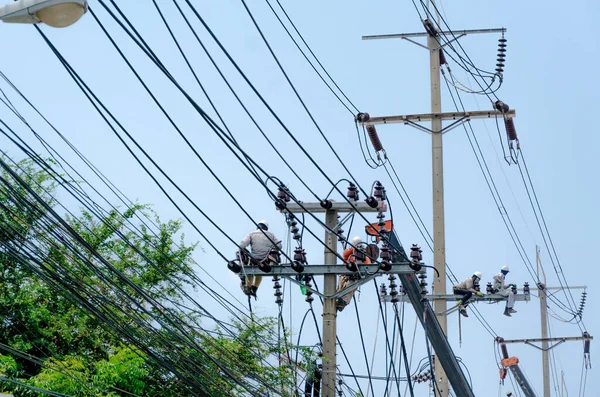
point(343, 282)
point(253, 281)
point(466, 295)
point(511, 297)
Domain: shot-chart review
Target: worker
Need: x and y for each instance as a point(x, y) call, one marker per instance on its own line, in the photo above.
point(353, 256)
point(262, 242)
point(503, 289)
point(467, 289)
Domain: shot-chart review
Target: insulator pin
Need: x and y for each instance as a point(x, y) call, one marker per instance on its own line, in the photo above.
point(379, 191)
point(283, 195)
point(299, 260)
point(352, 192)
point(377, 145)
point(416, 253)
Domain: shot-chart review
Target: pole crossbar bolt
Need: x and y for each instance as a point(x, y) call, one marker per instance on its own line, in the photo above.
point(326, 204)
point(363, 117)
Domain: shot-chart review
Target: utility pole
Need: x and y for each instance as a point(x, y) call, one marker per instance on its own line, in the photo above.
point(520, 377)
point(544, 325)
point(329, 309)
point(437, 177)
point(437, 130)
point(543, 296)
point(330, 270)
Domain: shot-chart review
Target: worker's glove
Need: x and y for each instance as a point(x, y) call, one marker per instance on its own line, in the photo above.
point(479, 293)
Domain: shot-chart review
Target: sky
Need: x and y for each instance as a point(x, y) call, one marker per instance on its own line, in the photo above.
point(551, 49)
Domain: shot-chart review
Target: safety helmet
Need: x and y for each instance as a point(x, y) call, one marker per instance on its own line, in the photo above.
point(356, 240)
point(504, 268)
point(264, 223)
point(478, 275)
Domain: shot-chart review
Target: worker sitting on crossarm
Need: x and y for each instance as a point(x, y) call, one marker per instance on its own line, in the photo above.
point(500, 288)
point(262, 243)
point(467, 289)
point(353, 257)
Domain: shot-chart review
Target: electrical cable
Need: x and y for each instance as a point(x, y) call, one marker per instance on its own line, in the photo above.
point(13, 176)
point(362, 341)
point(206, 117)
point(314, 56)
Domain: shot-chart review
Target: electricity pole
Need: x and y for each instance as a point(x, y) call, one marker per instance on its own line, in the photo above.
point(434, 46)
point(329, 309)
point(437, 171)
point(544, 325)
point(330, 270)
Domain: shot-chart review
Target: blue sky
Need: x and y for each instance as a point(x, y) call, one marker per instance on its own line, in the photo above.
point(552, 49)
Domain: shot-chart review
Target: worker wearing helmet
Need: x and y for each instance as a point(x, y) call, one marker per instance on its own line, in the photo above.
point(261, 242)
point(504, 290)
point(467, 288)
point(353, 255)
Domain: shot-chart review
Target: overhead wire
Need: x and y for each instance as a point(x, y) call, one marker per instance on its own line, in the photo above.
point(213, 126)
point(530, 189)
point(313, 55)
point(362, 341)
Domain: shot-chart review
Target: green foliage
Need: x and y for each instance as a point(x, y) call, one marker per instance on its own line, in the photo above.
point(75, 352)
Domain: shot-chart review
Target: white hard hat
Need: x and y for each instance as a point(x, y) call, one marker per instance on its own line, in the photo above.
point(263, 222)
point(356, 240)
point(478, 275)
point(505, 268)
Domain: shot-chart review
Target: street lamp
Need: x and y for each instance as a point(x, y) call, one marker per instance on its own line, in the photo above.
point(56, 13)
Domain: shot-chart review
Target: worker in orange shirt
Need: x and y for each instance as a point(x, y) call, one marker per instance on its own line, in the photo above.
point(352, 255)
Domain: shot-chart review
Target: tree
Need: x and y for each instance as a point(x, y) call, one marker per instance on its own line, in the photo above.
point(90, 307)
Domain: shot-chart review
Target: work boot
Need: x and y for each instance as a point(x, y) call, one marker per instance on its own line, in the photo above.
point(253, 290)
point(463, 312)
point(507, 312)
point(511, 310)
point(340, 304)
point(245, 289)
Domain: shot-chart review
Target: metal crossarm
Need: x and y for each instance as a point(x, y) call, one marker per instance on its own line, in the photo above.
point(474, 298)
point(456, 116)
point(319, 270)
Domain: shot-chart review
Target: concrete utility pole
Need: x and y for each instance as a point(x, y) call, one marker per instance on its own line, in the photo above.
point(544, 325)
point(437, 177)
point(329, 309)
point(437, 159)
point(330, 270)
point(519, 376)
